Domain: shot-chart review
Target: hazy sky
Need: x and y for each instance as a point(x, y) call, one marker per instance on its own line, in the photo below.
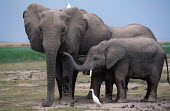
point(154, 14)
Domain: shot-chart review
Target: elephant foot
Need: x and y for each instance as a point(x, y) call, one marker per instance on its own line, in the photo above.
point(89, 95)
point(58, 101)
point(121, 100)
point(66, 101)
point(108, 100)
point(150, 99)
point(47, 103)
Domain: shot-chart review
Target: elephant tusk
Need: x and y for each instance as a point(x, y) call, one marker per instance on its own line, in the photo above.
point(90, 73)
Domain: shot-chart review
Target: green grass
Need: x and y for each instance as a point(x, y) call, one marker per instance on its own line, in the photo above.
point(19, 55)
point(166, 47)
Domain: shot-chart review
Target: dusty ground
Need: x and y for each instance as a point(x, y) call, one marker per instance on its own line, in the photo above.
point(14, 44)
point(134, 103)
point(135, 94)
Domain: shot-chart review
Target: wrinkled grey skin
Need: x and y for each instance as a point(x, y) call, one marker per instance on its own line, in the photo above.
point(137, 58)
point(73, 31)
point(52, 32)
point(129, 31)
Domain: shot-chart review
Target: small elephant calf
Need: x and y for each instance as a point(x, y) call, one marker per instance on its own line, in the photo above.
point(137, 58)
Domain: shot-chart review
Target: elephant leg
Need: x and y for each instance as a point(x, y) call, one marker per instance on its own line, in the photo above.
point(127, 81)
point(89, 95)
point(148, 91)
point(96, 81)
point(109, 91)
point(75, 73)
point(108, 87)
point(121, 88)
point(120, 73)
point(59, 77)
point(59, 84)
point(151, 94)
point(67, 84)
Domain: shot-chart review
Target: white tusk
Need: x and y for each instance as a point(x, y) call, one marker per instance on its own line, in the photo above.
point(90, 73)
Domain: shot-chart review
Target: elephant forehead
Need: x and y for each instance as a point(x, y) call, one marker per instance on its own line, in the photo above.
point(50, 18)
point(96, 50)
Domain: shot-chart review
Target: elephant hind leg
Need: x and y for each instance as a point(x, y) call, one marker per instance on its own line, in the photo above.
point(148, 91)
point(151, 94)
point(152, 83)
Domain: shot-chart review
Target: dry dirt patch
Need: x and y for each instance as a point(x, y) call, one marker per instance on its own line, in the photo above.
point(14, 44)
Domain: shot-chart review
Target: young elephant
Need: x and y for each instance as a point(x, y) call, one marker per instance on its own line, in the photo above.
point(137, 58)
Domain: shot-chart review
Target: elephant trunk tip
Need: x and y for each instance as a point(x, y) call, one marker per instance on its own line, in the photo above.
point(77, 67)
point(65, 54)
point(74, 64)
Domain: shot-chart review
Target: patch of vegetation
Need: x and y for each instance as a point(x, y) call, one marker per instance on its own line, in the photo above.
point(166, 47)
point(19, 55)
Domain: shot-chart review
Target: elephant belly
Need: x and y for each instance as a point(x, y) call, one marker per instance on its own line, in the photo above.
point(138, 72)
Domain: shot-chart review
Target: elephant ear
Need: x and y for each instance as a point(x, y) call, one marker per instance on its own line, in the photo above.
point(114, 53)
point(31, 20)
point(77, 24)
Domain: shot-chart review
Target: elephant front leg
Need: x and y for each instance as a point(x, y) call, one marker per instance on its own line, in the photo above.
point(75, 73)
point(108, 86)
point(59, 77)
point(121, 88)
point(96, 81)
point(109, 91)
point(67, 84)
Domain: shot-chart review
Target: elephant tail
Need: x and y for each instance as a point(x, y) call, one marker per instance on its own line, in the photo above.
point(167, 69)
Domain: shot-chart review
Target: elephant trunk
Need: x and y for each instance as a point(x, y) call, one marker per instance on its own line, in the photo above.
point(83, 67)
point(51, 48)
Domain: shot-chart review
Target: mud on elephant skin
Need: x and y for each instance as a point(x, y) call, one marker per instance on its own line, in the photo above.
point(137, 58)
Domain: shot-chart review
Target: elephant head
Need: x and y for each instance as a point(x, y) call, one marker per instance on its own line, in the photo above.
point(103, 55)
point(52, 31)
point(45, 27)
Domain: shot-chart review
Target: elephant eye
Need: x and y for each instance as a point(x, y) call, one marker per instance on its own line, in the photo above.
point(63, 29)
point(95, 57)
point(40, 28)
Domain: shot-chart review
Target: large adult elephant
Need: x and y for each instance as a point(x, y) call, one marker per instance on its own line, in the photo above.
point(51, 32)
point(73, 31)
